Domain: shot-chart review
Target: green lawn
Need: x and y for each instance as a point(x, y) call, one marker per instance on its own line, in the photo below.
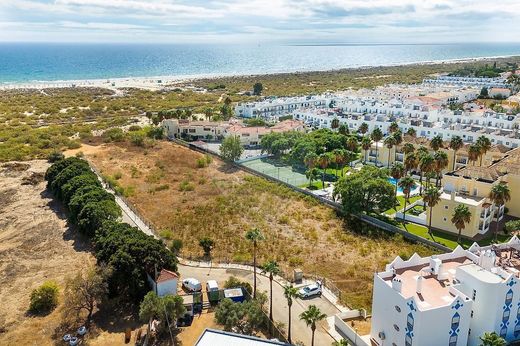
point(316, 185)
point(446, 239)
point(400, 199)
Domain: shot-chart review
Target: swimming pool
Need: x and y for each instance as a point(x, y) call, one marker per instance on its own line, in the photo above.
point(394, 182)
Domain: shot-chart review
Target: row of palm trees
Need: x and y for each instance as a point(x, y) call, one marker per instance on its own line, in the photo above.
point(310, 316)
point(339, 158)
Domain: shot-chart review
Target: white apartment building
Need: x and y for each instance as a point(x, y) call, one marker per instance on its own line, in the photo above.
point(275, 107)
point(448, 299)
point(477, 82)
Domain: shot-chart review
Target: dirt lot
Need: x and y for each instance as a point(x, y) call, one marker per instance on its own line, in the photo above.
point(186, 202)
point(35, 245)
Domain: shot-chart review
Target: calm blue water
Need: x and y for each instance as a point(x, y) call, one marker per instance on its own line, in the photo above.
point(36, 62)
point(394, 182)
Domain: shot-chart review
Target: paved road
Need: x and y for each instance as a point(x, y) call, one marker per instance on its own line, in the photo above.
point(300, 331)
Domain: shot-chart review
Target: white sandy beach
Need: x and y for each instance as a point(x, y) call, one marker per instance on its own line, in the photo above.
point(161, 82)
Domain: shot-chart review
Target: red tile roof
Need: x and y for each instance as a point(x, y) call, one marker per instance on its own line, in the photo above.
point(166, 275)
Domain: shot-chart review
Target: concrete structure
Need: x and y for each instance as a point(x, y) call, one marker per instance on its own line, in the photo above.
point(208, 130)
point(449, 299)
point(212, 337)
point(477, 82)
point(274, 107)
point(165, 284)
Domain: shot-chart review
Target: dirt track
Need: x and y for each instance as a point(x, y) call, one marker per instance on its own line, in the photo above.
point(35, 245)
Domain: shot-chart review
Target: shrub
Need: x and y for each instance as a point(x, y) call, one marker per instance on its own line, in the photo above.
point(55, 156)
point(44, 298)
point(201, 162)
point(118, 175)
point(234, 282)
point(512, 226)
point(186, 186)
point(113, 135)
point(134, 128)
point(176, 246)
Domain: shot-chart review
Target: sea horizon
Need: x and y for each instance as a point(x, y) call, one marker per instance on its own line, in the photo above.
point(26, 63)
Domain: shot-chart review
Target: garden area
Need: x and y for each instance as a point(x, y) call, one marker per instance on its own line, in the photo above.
point(187, 202)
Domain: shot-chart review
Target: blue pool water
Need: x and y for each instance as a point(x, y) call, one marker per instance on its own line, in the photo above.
point(394, 182)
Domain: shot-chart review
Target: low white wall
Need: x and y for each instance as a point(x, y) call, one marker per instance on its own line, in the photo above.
point(412, 218)
point(345, 329)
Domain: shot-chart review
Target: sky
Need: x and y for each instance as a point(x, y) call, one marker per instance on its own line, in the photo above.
point(259, 21)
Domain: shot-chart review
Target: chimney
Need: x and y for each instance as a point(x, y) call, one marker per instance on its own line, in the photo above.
point(419, 284)
point(397, 284)
point(453, 195)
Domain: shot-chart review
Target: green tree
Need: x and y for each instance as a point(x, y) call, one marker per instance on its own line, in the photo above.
point(44, 298)
point(254, 236)
point(290, 292)
point(456, 143)
point(393, 127)
point(367, 190)
point(167, 309)
point(397, 172)
point(342, 342)
point(492, 339)
point(376, 136)
point(398, 139)
point(426, 166)
point(245, 318)
point(411, 132)
point(324, 160)
point(85, 291)
point(334, 124)
point(231, 149)
point(436, 143)
point(406, 184)
point(94, 214)
point(271, 268)
point(363, 128)
point(441, 162)
point(257, 89)
point(366, 144)
point(311, 160)
point(207, 245)
point(432, 196)
point(389, 143)
point(461, 216)
point(312, 174)
point(499, 195)
point(473, 153)
point(484, 93)
point(343, 129)
point(311, 316)
point(484, 145)
point(74, 184)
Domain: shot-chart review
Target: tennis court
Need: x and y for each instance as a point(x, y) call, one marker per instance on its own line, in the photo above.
point(277, 170)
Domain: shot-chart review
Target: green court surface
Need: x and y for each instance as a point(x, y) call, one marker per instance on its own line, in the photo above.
point(277, 170)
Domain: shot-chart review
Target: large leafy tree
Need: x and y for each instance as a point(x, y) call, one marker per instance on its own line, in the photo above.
point(311, 316)
point(76, 183)
point(499, 194)
point(85, 195)
point(367, 190)
point(231, 149)
point(167, 309)
point(94, 214)
point(245, 318)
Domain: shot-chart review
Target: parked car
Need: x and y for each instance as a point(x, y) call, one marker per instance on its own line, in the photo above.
point(67, 337)
point(82, 330)
point(73, 341)
point(311, 290)
point(191, 285)
point(211, 286)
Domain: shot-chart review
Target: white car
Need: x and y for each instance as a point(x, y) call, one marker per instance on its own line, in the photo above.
point(82, 330)
point(192, 285)
point(211, 286)
point(311, 290)
point(73, 341)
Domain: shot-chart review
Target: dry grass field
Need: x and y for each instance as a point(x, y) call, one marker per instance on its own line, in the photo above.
point(186, 202)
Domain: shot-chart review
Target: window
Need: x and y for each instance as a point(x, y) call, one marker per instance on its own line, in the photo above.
point(444, 219)
point(469, 332)
point(471, 313)
point(408, 340)
point(455, 321)
point(505, 315)
point(453, 340)
point(191, 130)
point(509, 297)
point(503, 332)
point(446, 207)
point(396, 327)
point(517, 330)
point(398, 309)
point(474, 294)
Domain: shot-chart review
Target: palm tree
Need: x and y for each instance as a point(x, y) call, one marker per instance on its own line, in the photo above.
point(334, 124)
point(432, 196)
point(208, 113)
point(411, 132)
point(441, 162)
point(398, 138)
point(410, 162)
point(324, 161)
point(393, 127)
point(343, 129)
point(492, 339)
point(290, 292)
point(426, 165)
point(310, 160)
point(484, 144)
point(312, 174)
point(461, 216)
point(455, 144)
point(499, 194)
point(436, 143)
point(397, 172)
point(366, 144)
point(363, 128)
point(338, 156)
point(408, 148)
point(376, 136)
point(473, 153)
point(310, 317)
point(352, 143)
point(406, 184)
point(254, 236)
point(389, 143)
point(273, 269)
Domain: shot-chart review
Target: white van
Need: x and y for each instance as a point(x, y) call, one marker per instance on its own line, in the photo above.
point(211, 286)
point(192, 285)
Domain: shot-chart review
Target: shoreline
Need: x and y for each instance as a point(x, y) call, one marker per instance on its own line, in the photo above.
point(152, 82)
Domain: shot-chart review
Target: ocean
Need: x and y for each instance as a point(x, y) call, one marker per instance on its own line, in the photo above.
point(29, 62)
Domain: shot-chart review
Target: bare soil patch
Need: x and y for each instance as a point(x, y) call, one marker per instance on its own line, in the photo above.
point(35, 245)
point(186, 202)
